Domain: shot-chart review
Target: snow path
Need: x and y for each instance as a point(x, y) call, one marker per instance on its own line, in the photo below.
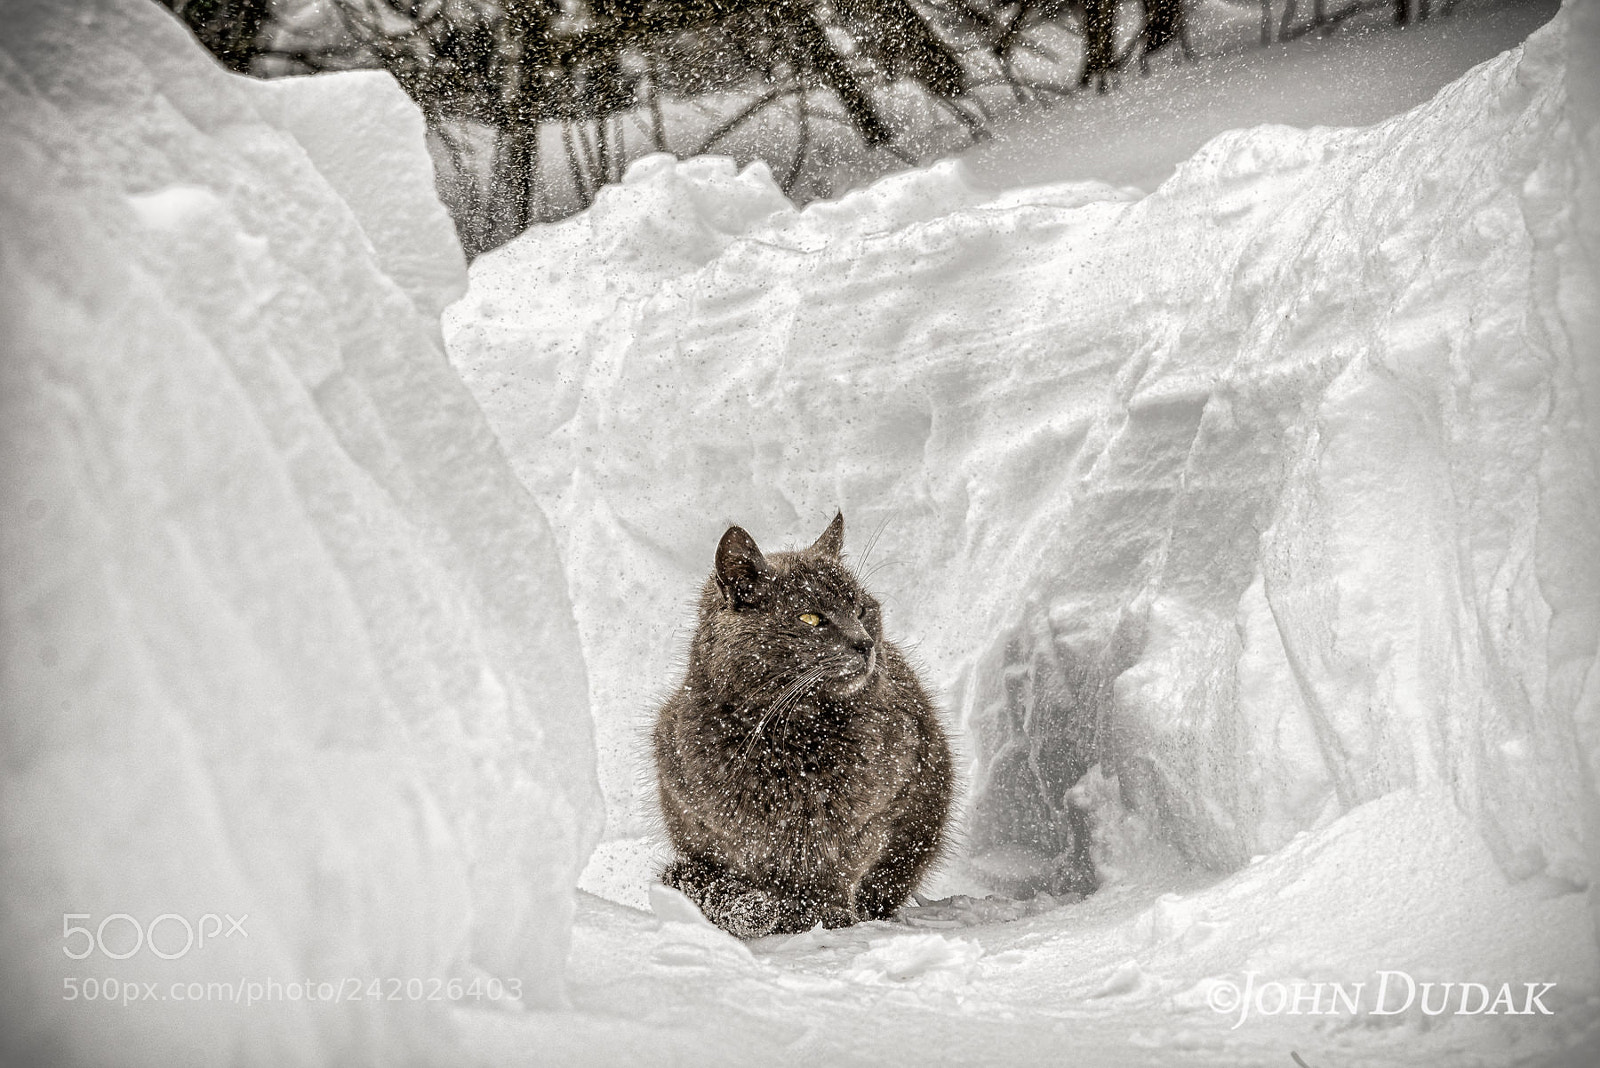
point(1122, 978)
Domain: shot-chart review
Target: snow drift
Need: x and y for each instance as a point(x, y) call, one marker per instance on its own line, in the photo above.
point(1270, 493)
point(284, 638)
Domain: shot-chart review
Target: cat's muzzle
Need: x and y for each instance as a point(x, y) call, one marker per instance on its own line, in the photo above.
point(857, 672)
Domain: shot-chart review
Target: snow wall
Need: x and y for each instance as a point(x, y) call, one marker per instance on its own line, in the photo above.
point(284, 639)
point(1269, 493)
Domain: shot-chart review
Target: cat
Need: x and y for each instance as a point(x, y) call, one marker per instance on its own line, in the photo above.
point(802, 771)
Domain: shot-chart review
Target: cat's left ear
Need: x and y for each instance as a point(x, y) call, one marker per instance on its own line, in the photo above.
point(832, 541)
point(743, 574)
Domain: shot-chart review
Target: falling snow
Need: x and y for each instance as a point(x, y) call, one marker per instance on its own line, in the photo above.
point(1243, 526)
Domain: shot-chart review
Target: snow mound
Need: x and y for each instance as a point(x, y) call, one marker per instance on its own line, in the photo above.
point(1271, 493)
point(925, 960)
point(285, 638)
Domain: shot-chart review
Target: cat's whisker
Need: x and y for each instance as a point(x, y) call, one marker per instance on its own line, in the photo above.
point(788, 696)
point(879, 566)
point(793, 693)
point(872, 542)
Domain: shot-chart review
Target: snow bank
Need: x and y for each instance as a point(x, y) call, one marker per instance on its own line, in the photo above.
point(1271, 494)
point(285, 641)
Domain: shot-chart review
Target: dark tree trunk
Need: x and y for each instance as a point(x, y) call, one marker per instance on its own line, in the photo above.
point(519, 55)
point(514, 188)
point(1165, 21)
point(230, 29)
point(897, 39)
point(1099, 43)
point(813, 51)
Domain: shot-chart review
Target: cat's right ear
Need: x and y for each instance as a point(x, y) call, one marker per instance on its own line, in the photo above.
point(743, 574)
point(832, 541)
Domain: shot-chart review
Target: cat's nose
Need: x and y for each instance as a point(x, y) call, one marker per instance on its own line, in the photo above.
point(869, 652)
point(863, 645)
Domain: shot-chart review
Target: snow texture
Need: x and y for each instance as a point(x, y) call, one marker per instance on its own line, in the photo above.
point(284, 637)
point(1248, 531)
point(1270, 493)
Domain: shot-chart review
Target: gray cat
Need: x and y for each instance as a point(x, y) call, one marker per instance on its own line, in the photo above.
point(803, 774)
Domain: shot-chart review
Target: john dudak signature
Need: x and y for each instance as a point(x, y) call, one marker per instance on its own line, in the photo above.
point(1394, 992)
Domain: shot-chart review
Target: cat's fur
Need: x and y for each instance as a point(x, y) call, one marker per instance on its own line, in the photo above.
point(803, 774)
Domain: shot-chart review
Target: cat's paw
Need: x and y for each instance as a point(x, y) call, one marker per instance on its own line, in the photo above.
point(750, 914)
point(679, 876)
point(833, 916)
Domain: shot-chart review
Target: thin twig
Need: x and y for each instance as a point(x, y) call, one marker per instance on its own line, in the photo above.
point(579, 184)
point(657, 124)
point(802, 143)
point(727, 127)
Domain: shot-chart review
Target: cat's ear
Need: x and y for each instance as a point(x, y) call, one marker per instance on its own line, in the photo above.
point(743, 574)
point(832, 541)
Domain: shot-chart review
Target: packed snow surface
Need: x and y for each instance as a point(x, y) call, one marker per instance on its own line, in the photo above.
point(1145, 975)
point(1247, 531)
point(285, 640)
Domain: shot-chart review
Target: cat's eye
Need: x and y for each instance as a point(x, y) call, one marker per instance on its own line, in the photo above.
point(811, 619)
